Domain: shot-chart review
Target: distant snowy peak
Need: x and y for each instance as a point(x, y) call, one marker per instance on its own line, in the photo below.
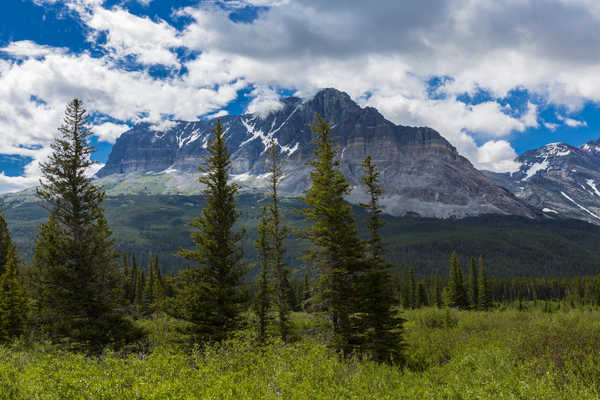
point(558, 177)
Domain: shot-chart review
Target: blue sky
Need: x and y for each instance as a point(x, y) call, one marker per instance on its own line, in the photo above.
point(494, 78)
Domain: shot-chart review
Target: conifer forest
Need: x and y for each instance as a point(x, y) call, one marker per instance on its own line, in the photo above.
point(87, 318)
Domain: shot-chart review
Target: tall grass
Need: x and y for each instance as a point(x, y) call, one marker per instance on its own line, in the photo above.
point(455, 355)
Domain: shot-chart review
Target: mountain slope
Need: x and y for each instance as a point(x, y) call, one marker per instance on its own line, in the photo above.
point(420, 171)
point(511, 246)
point(559, 179)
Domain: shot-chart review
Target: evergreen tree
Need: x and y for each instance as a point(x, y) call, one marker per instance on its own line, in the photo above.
point(278, 232)
point(456, 295)
point(135, 273)
point(336, 249)
point(473, 285)
point(380, 325)
point(212, 297)
point(12, 299)
point(139, 289)
point(422, 299)
point(484, 288)
point(405, 288)
point(263, 297)
point(126, 276)
point(78, 286)
point(159, 288)
point(148, 294)
point(5, 243)
point(437, 292)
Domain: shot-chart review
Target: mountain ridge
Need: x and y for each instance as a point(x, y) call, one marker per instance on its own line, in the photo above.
point(421, 172)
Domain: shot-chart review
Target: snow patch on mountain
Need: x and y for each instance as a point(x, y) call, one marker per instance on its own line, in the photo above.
point(579, 205)
point(592, 184)
point(533, 169)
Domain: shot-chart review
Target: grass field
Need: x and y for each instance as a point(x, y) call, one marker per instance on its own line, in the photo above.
point(450, 355)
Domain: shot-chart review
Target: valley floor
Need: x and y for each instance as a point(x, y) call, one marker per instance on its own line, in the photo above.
point(451, 355)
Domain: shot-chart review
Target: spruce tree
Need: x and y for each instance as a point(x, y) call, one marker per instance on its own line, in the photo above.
point(455, 286)
point(148, 294)
point(336, 250)
point(134, 279)
point(278, 232)
point(473, 285)
point(422, 299)
point(5, 243)
point(79, 288)
point(159, 288)
point(263, 296)
point(380, 325)
point(485, 299)
point(212, 297)
point(12, 299)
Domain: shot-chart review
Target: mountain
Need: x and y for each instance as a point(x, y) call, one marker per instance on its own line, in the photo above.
point(561, 180)
point(420, 171)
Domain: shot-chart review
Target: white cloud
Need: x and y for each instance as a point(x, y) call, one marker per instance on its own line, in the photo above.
point(573, 123)
point(108, 131)
point(497, 156)
point(550, 50)
point(265, 100)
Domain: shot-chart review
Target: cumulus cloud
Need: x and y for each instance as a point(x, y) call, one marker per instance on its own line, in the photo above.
point(109, 132)
point(265, 101)
point(549, 49)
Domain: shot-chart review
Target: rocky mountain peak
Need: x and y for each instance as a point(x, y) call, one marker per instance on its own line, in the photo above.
point(420, 171)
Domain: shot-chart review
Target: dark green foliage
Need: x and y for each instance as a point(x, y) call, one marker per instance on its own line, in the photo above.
point(264, 295)
point(422, 298)
point(148, 292)
point(405, 288)
point(336, 250)
point(456, 295)
point(485, 298)
point(540, 248)
point(133, 281)
point(473, 285)
point(379, 324)
point(212, 298)
point(13, 304)
point(5, 243)
point(77, 284)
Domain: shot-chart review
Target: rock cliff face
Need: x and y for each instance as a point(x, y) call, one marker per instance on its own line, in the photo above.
point(559, 179)
point(420, 171)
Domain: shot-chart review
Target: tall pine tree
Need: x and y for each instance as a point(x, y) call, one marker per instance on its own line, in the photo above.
point(263, 300)
point(12, 299)
point(483, 292)
point(473, 285)
point(79, 288)
point(5, 243)
point(380, 326)
point(278, 232)
point(212, 297)
point(336, 250)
